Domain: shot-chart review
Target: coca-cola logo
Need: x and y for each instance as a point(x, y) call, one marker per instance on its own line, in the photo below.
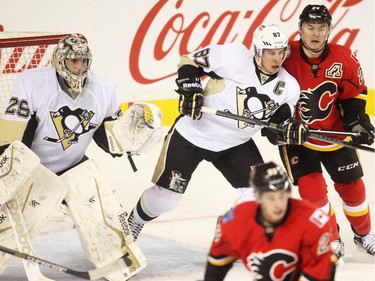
point(179, 34)
point(176, 33)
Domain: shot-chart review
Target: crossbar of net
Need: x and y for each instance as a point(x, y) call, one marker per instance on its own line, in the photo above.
point(20, 51)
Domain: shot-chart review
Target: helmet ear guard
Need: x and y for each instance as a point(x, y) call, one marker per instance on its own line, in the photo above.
point(72, 47)
point(269, 177)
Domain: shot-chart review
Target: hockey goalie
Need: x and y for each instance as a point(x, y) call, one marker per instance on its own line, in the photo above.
point(52, 116)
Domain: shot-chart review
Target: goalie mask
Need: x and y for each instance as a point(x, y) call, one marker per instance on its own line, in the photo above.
point(72, 47)
point(269, 177)
point(269, 37)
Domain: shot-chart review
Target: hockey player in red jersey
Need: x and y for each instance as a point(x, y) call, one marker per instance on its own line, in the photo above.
point(276, 237)
point(333, 97)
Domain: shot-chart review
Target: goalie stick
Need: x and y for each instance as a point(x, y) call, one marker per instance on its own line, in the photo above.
point(94, 274)
point(276, 127)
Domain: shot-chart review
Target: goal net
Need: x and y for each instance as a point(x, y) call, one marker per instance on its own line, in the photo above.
point(20, 51)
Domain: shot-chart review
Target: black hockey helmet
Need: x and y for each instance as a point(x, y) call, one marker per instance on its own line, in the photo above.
point(315, 14)
point(269, 177)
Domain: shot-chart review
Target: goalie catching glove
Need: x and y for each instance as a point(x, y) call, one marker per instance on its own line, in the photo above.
point(191, 99)
point(137, 131)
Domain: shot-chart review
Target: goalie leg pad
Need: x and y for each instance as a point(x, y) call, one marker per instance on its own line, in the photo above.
point(38, 198)
point(100, 220)
point(17, 166)
point(59, 220)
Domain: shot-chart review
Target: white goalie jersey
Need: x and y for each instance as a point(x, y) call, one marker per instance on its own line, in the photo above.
point(63, 126)
point(243, 90)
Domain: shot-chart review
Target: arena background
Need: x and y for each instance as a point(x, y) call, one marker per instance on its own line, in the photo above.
point(138, 45)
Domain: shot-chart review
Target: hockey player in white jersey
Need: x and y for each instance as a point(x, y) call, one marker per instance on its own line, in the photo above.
point(252, 84)
point(56, 112)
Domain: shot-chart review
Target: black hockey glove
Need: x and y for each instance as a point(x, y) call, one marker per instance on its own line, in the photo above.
point(191, 105)
point(189, 86)
point(191, 98)
point(359, 122)
point(295, 132)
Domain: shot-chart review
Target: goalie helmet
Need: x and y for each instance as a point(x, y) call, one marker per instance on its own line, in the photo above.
point(72, 47)
point(315, 14)
point(269, 177)
point(269, 37)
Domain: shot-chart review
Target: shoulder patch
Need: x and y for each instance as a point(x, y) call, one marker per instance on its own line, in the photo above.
point(319, 218)
point(228, 216)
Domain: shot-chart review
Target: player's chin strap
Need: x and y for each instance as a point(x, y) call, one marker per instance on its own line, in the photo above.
point(313, 134)
point(94, 274)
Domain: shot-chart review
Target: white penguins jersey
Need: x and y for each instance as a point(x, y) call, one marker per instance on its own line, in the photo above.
point(243, 90)
point(65, 126)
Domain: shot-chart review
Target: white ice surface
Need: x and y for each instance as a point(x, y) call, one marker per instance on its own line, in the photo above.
point(176, 243)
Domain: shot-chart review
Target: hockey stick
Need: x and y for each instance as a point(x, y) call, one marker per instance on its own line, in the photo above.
point(276, 127)
point(22, 237)
point(94, 274)
point(333, 133)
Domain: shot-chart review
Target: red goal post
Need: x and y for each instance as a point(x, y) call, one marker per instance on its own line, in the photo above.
point(20, 51)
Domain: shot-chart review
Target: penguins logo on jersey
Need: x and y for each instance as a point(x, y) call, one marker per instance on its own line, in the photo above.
point(273, 265)
point(70, 124)
point(317, 104)
point(262, 107)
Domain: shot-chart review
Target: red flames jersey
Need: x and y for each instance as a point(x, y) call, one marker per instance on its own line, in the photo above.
point(338, 77)
point(298, 246)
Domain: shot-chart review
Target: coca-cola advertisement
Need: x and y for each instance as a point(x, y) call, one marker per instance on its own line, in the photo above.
point(139, 46)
